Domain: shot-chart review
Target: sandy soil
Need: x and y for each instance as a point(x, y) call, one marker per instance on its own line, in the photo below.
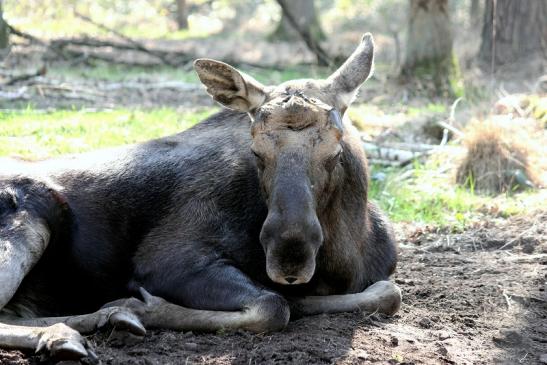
point(476, 297)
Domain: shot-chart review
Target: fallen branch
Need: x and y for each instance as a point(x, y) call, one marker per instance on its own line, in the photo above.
point(399, 153)
point(391, 155)
point(177, 85)
point(447, 124)
point(24, 35)
point(14, 95)
point(24, 77)
point(90, 42)
point(82, 56)
point(129, 40)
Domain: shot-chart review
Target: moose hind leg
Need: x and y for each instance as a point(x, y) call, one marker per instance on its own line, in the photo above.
point(61, 337)
point(121, 318)
point(381, 297)
point(21, 246)
point(58, 340)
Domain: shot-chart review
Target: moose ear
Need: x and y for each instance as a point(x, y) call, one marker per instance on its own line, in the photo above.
point(230, 87)
point(345, 81)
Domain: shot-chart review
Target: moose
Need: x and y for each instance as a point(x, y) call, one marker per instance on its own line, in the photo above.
point(254, 216)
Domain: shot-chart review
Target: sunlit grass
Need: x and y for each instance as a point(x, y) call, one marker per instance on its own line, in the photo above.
point(34, 134)
point(427, 194)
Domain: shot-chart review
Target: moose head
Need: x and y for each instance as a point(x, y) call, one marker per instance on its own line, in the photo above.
point(298, 138)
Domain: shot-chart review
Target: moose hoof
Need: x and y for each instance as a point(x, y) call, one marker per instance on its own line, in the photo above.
point(124, 320)
point(63, 343)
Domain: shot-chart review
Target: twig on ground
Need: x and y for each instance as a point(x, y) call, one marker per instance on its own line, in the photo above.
point(519, 236)
point(507, 299)
point(447, 124)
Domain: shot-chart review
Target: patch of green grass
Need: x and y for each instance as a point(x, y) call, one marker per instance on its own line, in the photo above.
point(33, 134)
point(426, 194)
point(413, 111)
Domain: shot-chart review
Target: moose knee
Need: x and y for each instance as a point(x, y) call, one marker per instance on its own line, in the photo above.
point(383, 297)
point(270, 312)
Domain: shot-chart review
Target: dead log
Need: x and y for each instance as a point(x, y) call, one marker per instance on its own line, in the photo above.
point(397, 153)
point(24, 35)
point(14, 79)
point(86, 41)
point(390, 155)
point(129, 40)
point(19, 94)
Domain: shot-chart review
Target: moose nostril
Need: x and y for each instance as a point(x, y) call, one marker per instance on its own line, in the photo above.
point(290, 279)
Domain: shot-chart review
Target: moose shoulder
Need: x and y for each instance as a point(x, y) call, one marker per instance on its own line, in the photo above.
point(254, 215)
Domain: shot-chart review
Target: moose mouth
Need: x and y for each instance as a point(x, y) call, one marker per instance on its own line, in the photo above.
point(295, 275)
point(290, 262)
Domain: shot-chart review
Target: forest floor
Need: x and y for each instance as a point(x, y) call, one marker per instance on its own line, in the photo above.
point(472, 294)
point(476, 297)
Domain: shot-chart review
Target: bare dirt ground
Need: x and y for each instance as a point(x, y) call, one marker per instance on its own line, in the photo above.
point(476, 297)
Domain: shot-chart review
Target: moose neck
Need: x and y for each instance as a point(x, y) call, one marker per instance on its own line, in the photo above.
point(344, 219)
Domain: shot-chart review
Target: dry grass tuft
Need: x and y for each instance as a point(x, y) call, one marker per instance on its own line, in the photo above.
point(499, 158)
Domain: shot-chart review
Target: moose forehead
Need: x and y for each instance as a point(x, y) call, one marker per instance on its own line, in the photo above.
point(295, 121)
point(292, 111)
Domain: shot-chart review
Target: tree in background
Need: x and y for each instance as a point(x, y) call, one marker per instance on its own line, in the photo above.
point(513, 30)
point(475, 13)
point(303, 12)
point(429, 53)
point(182, 14)
point(4, 32)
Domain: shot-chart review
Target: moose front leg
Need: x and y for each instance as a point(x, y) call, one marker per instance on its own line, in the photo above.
point(219, 297)
point(381, 297)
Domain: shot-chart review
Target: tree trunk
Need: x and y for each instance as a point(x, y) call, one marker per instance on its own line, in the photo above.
point(4, 32)
point(303, 11)
point(513, 31)
point(182, 14)
point(429, 54)
point(475, 13)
